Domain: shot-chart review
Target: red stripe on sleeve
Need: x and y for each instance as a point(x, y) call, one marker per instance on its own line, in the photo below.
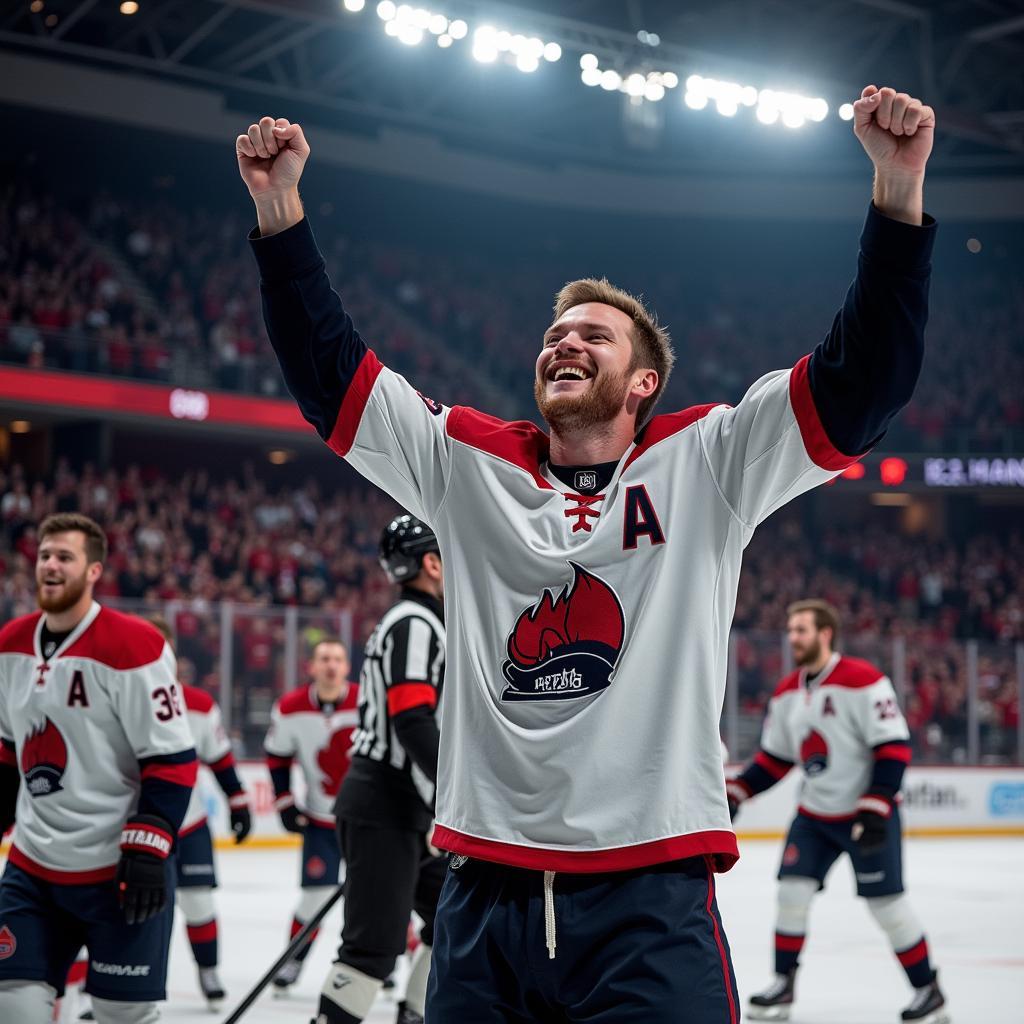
point(227, 761)
point(775, 768)
point(403, 696)
point(274, 762)
point(356, 396)
point(181, 774)
point(821, 450)
point(894, 752)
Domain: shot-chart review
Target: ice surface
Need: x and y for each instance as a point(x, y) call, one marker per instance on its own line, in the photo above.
point(968, 892)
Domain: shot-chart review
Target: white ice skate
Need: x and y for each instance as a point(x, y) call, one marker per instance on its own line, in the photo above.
point(211, 988)
point(928, 1005)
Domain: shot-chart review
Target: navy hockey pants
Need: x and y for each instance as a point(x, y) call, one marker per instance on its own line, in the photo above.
point(630, 947)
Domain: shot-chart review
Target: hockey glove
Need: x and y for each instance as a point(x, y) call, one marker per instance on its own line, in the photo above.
point(292, 818)
point(735, 793)
point(142, 872)
point(241, 818)
point(871, 829)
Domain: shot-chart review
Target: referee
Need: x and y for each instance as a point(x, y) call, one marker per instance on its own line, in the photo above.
point(385, 806)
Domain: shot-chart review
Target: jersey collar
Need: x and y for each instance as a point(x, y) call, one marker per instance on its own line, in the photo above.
point(564, 488)
point(820, 678)
point(86, 621)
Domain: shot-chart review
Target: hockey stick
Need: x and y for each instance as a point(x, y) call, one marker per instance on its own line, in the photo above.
point(295, 944)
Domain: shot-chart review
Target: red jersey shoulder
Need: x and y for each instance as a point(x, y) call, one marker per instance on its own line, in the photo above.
point(853, 673)
point(518, 442)
point(197, 700)
point(119, 641)
point(660, 428)
point(18, 635)
point(787, 683)
point(296, 701)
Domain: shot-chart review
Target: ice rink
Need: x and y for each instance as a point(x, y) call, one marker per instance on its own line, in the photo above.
point(970, 894)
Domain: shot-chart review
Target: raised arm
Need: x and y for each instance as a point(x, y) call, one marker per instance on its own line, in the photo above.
point(366, 413)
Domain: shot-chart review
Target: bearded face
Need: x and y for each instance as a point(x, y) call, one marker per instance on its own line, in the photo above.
point(592, 401)
point(57, 590)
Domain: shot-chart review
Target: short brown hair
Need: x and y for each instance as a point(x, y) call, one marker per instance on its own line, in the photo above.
point(652, 346)
point(330, 640)
point(68, 522)
point(825, 614)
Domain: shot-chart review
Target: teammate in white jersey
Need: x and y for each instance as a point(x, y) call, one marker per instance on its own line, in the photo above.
point(591, 577)
point(838, 718)
point(314, 724)
point(96, 769)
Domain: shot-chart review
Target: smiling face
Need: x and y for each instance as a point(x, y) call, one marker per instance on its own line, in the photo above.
point(584, 371)
point(64, 574)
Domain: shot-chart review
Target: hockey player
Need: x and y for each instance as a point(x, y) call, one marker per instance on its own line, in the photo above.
point(839, 719)
point(592, 575)
point(385, 806)
point(96, 769)
point(195, 868)
point(314, 724)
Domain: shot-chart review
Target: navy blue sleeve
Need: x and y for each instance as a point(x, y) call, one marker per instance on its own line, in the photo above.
point(866, 369)
point(313, 337)
point(167, 781)
point(891, 760)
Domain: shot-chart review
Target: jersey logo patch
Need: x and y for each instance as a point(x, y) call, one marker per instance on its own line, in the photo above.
point(331, 761)
point(814, 753)
point(8, 943)
point(44, 757)
point(565, 647)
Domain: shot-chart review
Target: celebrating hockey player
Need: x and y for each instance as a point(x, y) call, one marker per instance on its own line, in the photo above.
point(839, 719)
point(196, 873)
point(314, 724)
point(96, 769)
point(385, 806)
point(592, 576)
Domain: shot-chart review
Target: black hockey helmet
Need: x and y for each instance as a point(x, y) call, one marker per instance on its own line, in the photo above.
point(402, 546)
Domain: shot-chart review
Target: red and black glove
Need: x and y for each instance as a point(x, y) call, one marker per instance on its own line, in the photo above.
point(146, 843)
point(870, 830)
point(241, 818)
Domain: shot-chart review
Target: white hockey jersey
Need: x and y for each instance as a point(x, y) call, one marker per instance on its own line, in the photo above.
point(77, 726)
point(834, 729)
point(320, 742)
point(213, 748)
point(587, 635)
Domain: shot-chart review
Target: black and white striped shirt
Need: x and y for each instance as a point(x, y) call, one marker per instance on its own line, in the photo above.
point(403, 669)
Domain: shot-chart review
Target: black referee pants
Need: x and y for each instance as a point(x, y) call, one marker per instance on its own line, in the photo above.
point(389, 873)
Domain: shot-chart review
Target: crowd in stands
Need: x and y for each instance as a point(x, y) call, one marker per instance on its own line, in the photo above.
point(188, 543)
point(144, 289)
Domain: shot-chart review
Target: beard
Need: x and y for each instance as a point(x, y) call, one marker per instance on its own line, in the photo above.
point(809, 655)
point(72, 593)
point(601, 402)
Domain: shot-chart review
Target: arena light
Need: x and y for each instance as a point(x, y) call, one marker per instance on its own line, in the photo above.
point(491, 44)
point(770, 105)
point(355, 6)
point(386, 10)
point(846, 111)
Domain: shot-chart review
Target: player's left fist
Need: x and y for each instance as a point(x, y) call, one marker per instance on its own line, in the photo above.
point(896, 130)
point(241, 817)
point(146, 843)
point(871, 828)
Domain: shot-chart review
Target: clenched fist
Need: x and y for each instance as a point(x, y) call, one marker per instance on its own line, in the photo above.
point(271, 156)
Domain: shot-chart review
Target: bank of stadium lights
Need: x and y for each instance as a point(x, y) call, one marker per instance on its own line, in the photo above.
point(770, 105)
point(650, 85)
point(491, 44)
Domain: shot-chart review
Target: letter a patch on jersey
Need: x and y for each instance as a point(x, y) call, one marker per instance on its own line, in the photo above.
point(640, 519)
point(76, 692)
point(567, 646)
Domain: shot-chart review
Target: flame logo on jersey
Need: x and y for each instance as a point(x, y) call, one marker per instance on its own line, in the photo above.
point(44, 757)
point(8, 943)
point(566, 646)
point(814, 753)
point(331, 761)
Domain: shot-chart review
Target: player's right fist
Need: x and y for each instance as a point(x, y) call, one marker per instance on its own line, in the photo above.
point(271, 156)
point(142, 870)
point(241, 816)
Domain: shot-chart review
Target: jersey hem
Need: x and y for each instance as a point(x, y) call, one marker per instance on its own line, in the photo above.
point(719, 844)
point(58, 877)
point(816, 816)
